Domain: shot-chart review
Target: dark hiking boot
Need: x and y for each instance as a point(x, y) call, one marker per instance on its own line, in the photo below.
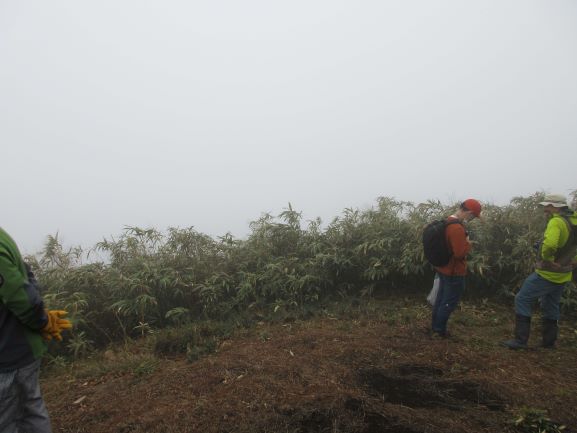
point(550, 332)
point(522, 330)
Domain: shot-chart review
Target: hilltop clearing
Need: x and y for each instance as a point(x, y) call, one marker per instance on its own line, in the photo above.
point(375, 371)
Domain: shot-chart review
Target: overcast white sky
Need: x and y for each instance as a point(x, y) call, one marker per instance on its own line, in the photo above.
point(209, 113)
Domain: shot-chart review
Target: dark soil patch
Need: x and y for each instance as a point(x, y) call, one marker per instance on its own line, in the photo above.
point(378, 423)
point(421, 386)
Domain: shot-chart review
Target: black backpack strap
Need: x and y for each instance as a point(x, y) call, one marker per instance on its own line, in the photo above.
point(572, 230)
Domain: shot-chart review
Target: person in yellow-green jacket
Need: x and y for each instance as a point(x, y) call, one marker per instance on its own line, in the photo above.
point(24, 327)
point(556, 260)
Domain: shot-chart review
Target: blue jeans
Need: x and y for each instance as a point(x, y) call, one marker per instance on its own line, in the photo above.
point(22, 408)
point(450, 290)
point(536, 287)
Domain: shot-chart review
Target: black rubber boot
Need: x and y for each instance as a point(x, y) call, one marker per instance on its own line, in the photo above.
point(522, 330)
point(550, 332)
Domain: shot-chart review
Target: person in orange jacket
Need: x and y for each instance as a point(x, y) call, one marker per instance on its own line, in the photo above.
point(452, 275)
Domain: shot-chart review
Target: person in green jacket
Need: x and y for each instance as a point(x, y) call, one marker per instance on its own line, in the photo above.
point(556, 260)
point(24, 327)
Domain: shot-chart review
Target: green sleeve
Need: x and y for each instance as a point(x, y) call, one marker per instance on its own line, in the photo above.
point(19, 296)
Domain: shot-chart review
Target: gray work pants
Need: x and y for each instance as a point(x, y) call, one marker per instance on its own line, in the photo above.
point(22, 409)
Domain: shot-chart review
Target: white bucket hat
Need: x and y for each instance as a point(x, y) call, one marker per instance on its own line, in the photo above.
point(555, 200)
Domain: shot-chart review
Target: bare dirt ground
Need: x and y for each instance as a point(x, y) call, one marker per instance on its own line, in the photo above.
point(374, 372)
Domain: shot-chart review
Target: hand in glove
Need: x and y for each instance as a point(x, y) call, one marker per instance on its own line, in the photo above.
point(56, 324)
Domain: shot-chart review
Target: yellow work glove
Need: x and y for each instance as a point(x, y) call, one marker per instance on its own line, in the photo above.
point(56, 324)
